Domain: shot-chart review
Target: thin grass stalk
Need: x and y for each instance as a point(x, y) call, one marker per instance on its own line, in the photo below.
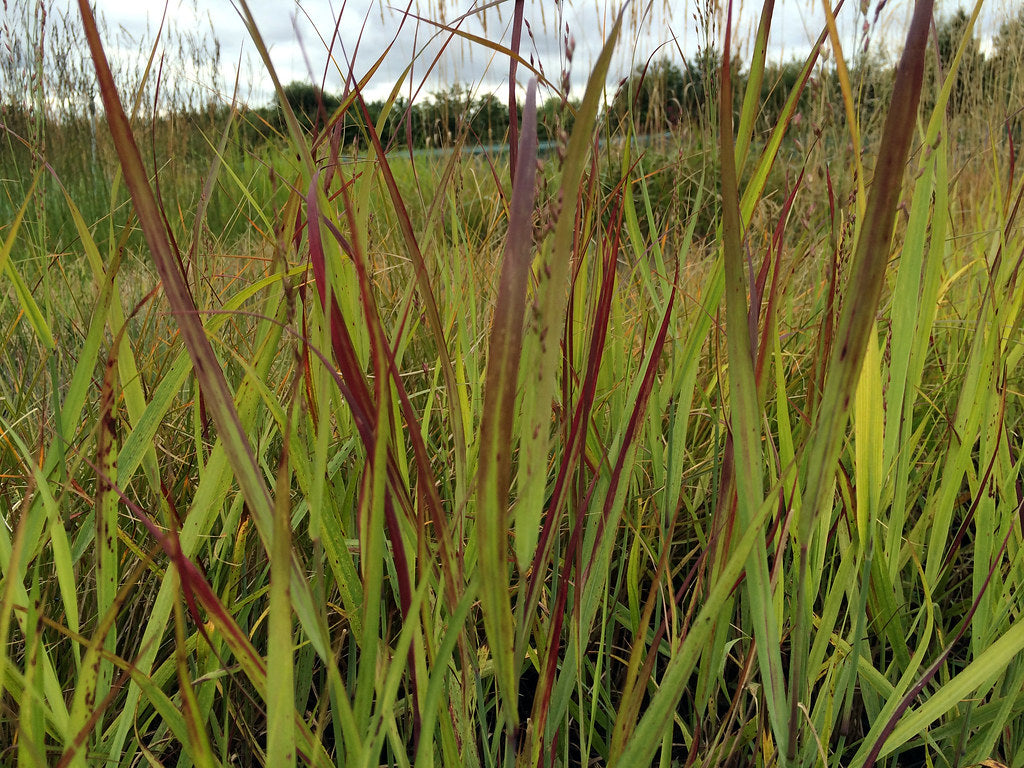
point(755, 78)
point(280, 654)
point(513, 107)
point(744, 415)
point(51, 688)
point(33, 689)
point(753, 191)
point(107, 560)
point(198, 743)
point(846, 90)
point(427, 296)
point(644, 739)
point(588, 549)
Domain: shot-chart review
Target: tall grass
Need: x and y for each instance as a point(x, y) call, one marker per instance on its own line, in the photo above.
point(433, 462)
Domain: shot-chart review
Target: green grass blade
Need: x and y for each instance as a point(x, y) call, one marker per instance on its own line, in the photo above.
point(280, 654)
point(645, 738)
point(857, 319)
point(205, 364)
point(546, 316)
point(745, 413)
point(495, 459)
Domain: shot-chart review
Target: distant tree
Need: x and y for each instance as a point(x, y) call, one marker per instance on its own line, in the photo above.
point(489, 119)
point(556, 115)
point(652, 97)
point(399, 122)
point(663, 95)
point(1006, 68)
point(445, 115)
point(700, 99)
point(967, 89)
point(778, 83)
point(310, 104)
point(872, 78)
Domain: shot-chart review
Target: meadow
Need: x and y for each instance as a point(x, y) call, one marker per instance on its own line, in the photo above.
point(697, 452)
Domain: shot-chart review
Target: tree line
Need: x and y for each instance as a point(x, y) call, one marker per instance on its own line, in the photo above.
point(657, 97)
point(664, 95)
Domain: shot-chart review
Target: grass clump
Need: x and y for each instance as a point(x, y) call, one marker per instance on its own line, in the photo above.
point(703, 452)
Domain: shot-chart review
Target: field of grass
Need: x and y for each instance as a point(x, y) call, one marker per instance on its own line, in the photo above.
point(699, 454)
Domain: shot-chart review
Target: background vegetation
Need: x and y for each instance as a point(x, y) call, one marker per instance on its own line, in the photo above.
point(703, 451)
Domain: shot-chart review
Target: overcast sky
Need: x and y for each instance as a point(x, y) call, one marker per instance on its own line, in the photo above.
point(357, 32)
